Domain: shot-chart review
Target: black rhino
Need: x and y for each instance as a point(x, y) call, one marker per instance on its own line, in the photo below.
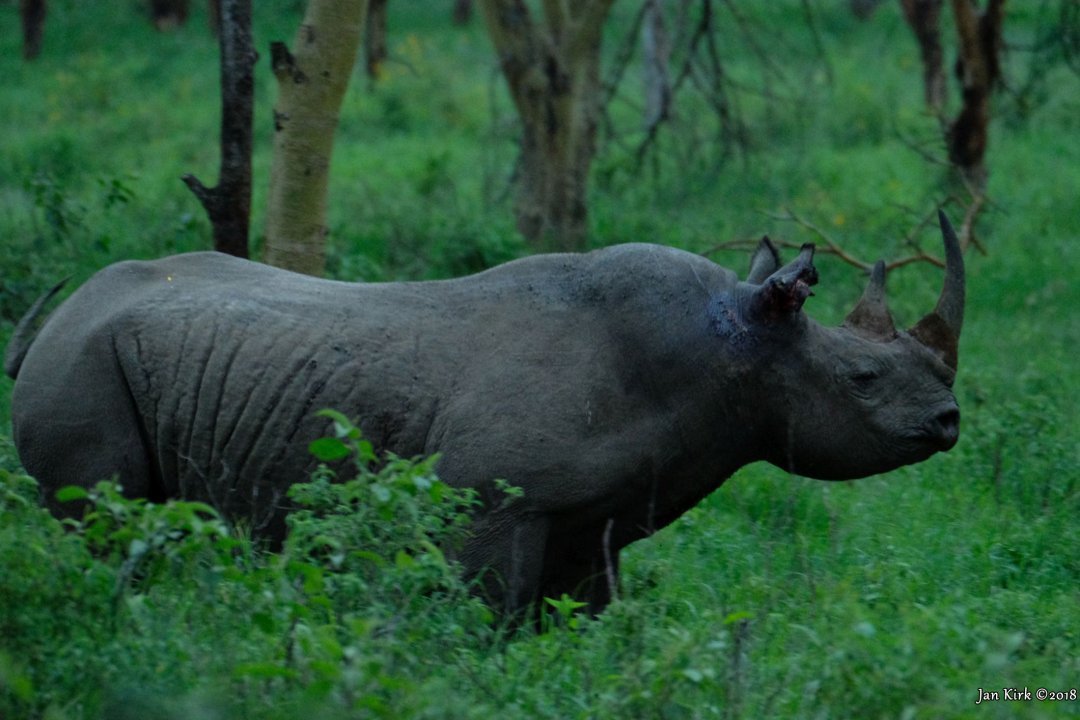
point(617, 388)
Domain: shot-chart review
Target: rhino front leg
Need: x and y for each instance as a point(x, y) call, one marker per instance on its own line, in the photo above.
point(506, 556)
point(585, 567)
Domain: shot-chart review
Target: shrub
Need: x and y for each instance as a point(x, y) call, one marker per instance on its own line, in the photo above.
point(164, 608)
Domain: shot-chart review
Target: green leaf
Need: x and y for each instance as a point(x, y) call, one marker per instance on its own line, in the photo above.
point(693, 675)
point(737, 616)
point(264, 621)
point(328, 449)
point(334, 415)
point(71, 492)
point(381, 493)
point(565, 604)
point(366, 451)
point(137, 547)
point(343, 426)
point(370, 556)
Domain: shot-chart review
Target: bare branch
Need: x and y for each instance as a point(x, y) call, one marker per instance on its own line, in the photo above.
point(831, 245)
point(819, 44)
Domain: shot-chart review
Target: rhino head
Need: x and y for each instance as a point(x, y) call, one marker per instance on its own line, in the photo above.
point(858, 399)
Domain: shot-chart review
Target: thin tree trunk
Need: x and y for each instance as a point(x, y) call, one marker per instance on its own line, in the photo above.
point(229, 204)
point(375, 37)
point(656, 46)
point(552, 69)
point(213, 12)
point(864, 9)
point(311, 86)
point(33, 24)
point(462, 11)
point(168, 14)
point(977, 70)
point(924, 17)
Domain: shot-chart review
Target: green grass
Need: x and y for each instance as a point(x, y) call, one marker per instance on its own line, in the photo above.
point(891, 597)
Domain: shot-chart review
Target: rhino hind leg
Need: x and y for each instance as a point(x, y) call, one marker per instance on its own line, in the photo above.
point(84, 466)
point(79, 438)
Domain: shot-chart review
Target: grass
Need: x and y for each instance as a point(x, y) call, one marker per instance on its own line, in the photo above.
point(892, 597)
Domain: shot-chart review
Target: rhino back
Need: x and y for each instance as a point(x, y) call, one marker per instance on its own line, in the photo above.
point(535, 368)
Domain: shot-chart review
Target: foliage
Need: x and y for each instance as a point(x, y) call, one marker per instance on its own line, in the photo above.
point(890, 597)
point(360, 599)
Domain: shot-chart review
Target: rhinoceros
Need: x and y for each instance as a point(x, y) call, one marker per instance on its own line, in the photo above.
point(617, 388)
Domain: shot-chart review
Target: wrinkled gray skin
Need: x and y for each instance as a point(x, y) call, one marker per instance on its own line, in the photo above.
point(617, 388)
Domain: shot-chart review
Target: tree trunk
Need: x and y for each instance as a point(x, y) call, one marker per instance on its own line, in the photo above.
point(864, 9)
point(311, 85)
point(33, 23)
point(978, 70)
point(229, 204)
point(213, 12)
point(656, 47)
point(462, 11)
point(168, 14)
point(924, 17)
point(375, 37)
point(553, 72)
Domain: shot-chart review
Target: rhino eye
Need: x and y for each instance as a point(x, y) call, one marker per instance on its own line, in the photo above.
point(864, 376)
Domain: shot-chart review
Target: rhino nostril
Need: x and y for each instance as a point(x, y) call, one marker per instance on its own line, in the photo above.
point(948, 426)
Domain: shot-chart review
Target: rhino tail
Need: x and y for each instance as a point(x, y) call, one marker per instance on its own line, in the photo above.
point(23, 337)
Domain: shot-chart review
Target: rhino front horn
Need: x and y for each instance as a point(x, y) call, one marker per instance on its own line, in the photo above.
point(940, 330)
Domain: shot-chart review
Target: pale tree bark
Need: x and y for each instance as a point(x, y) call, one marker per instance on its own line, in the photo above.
point(311, 85)
point(552, 68)
point(32, 13)
point(229, 204)
point(924, 17)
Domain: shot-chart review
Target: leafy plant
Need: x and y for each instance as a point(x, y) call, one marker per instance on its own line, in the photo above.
point(61, 214)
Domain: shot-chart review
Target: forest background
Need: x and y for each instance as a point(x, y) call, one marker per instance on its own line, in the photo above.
point(897, 596)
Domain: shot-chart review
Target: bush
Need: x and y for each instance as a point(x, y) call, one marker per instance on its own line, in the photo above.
point(164, 610)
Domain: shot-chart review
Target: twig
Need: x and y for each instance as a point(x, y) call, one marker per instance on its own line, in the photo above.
point(622, 58)
point(609, 561)
point(703, 29)
point(831, 247)
point(819, 45)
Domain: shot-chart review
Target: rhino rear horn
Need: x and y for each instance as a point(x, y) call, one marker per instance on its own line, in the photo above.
point(870, 315)
point(786, 289)
point(940, 330)
point(764, 262)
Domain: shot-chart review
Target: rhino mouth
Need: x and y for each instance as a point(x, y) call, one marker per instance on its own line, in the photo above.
point(941, 431)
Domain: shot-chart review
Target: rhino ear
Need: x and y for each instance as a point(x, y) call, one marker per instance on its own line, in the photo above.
point(764, 262)
point(870, 315)
point(785, 290)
